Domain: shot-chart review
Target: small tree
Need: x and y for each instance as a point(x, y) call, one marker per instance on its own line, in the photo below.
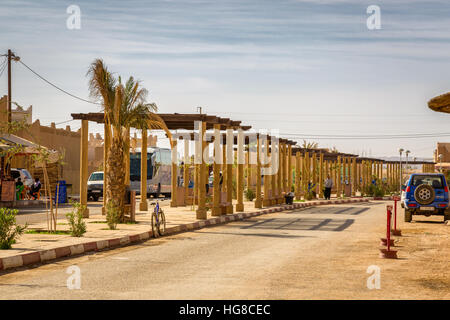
point(42, 159)
point(9, 229)
point(112, 214)
point(249, 194)
point(75, 218)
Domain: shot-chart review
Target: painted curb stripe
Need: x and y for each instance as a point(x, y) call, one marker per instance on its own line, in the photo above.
point(62, 252)
point(30, 258)
point(90, 246)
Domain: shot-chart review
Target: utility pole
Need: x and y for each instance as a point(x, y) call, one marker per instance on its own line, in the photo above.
point(10, 54)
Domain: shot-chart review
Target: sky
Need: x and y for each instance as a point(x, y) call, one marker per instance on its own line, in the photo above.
point(303, 67)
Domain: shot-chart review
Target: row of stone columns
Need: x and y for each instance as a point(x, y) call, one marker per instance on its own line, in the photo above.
point(294, 171)
point(428, 168)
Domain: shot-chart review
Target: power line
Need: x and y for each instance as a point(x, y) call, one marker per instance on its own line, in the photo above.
point(390, 136)
point(3, 67)
point(55, 86)
point(64, 121)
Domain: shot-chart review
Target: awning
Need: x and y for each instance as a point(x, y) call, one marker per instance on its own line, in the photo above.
point(440, 103)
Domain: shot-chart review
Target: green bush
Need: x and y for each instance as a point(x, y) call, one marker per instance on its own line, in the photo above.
point(9, 229)
point(112, 215)
point(250, 194)
point(310, 195)
point(75, 218)
point(378, 189)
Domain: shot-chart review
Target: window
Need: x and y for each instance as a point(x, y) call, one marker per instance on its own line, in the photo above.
point(434, 181)
point(98, 176)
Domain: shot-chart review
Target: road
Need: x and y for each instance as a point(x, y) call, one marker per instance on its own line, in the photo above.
point(315, 253)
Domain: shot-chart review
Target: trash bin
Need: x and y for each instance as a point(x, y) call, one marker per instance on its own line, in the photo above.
point(289, 198)
point(62, 192)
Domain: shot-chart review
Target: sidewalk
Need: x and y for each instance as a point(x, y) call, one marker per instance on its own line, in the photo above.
point(37, 248)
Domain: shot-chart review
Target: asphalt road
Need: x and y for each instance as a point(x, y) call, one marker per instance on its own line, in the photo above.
point(288, 255)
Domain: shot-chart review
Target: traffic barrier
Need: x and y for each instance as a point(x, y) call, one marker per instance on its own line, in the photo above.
point(396, 232)
point(388, 253)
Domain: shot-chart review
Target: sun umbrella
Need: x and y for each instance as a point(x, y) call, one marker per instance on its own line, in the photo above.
point(440, 103)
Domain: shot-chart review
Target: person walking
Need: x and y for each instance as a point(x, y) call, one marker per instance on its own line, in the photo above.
point(328, 186)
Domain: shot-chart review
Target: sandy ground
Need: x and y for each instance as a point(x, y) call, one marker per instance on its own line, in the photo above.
point(314, 253)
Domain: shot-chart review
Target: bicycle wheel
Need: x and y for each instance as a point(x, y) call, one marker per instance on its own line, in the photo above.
point(155, 227)
point(162, 224)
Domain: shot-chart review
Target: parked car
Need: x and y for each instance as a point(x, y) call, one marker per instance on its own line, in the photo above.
point(403, 194)
point(95, 185)
point(426, 194)
point(23, 174)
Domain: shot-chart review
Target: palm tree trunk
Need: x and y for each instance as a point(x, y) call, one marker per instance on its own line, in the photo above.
point(115, 191)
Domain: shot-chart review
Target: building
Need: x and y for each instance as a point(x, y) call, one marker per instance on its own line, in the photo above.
point(442, 148)
point(63, 140)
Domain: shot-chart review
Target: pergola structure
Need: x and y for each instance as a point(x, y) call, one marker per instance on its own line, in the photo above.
point(281, 166)
point(222, 194)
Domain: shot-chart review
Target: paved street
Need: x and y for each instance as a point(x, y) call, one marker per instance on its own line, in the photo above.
point(320, 252)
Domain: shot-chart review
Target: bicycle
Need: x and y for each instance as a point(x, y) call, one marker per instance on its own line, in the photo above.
point(158, 221)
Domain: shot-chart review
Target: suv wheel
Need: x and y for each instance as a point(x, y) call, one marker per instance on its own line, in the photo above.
point(408, 216)
point(424, 194)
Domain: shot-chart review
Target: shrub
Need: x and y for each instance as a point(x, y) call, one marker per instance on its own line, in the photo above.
point(75, 218)
point(112, 215)
point(310, 195)
point(9, 229)
point(250, 194)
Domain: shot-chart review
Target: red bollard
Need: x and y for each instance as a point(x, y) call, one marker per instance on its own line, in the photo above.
point(388, 253)
point(396, 232)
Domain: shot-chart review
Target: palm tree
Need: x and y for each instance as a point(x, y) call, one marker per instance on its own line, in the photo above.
point(309, 145)
point(124, 106)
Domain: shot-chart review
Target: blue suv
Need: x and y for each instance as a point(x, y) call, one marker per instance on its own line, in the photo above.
point(426, 194)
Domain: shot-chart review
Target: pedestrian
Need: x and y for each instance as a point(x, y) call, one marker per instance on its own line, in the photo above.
point(35, 187)
point(328, 186)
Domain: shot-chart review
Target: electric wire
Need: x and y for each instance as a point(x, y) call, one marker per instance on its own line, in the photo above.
point(3, 66)
point(55, 86)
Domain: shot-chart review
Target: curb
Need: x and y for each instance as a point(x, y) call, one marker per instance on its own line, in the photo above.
point(35, 257)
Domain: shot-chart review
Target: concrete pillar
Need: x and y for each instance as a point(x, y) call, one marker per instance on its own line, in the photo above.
point(267, 200)
point(216, 211)
point(321, 178)
point(280, 174)
point(307, 171)
point(84, 165)
point(304, 174)
point(230, 160)
point(173, 175)
point(289, 171)
point(338, 177)
point(274, 159)
point(201, 210)
point(354, 177)
point(186, 177)
point(249, 168)
point(314, 169)
point(258, 202)
point(240, 171)
point(285, 168)
point(106, 147)
point(143, 206)
point(298, 180)
point(224, 167)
